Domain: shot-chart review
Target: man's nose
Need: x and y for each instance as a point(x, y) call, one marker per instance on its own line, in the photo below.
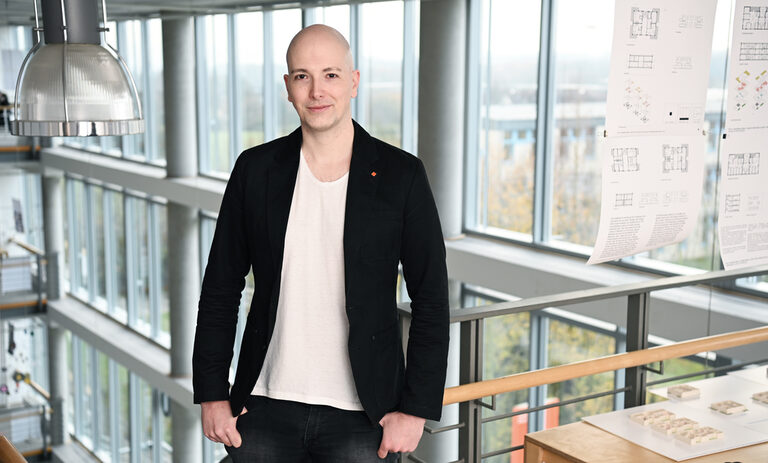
point(316, 89)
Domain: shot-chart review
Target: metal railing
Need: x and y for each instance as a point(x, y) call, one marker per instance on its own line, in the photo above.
point(22, 277)
point(634, 362)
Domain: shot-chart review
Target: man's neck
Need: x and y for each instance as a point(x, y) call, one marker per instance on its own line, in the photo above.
point(329, 146)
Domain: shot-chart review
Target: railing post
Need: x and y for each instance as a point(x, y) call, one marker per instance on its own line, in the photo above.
point(39, 262)
point(469, 412)
point(638, 306)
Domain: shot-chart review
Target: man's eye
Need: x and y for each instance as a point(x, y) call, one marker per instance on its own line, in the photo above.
point(333, 75)
point(300, 76)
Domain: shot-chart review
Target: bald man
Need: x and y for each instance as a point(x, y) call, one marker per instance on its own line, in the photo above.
point(323, 217)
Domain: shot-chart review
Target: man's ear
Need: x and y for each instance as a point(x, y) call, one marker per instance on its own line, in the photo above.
point(287, 90)
point(355, 82)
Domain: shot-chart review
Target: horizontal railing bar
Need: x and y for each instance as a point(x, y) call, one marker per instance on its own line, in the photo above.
point(582, 398)
point(451, 427)
point(704, 372)
point(614, 362)
point(27, 247)
point(594, 294)
point(502, 451)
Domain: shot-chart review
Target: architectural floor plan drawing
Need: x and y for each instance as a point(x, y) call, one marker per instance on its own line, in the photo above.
point(645, 23)
point(732, 202)
point(675, 158)
point(640, 62)
point(753, 51)
point(743, 164)
point(625, 159)
point(623, 200)
point(637, 101)
point(750, 90)
point(754, 18)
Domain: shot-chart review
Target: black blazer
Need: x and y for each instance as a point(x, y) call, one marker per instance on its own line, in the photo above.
point(390, 217)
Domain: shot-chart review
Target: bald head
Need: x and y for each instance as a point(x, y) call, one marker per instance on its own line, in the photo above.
point(318, 36)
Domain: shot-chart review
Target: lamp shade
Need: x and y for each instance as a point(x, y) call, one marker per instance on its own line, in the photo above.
point(76, 90)
point(71, 85)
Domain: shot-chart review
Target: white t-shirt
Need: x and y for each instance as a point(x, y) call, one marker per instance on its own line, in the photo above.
point(307, 359)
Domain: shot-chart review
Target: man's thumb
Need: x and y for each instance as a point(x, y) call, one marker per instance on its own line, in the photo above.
point(382, 453)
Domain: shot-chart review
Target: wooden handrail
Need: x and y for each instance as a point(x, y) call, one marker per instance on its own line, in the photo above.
point(28, 247)
point(8, 453)
point(560, 373)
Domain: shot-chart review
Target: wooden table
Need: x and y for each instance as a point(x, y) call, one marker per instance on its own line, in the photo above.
point(584, 443)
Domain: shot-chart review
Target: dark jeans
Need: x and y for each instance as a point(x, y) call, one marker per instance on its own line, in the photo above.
point(284, 431)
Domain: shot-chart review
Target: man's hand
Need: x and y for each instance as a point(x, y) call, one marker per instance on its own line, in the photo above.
point(402, 433)
point(219, 424)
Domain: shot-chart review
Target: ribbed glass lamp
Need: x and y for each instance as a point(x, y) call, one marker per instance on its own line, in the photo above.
point(71, 86)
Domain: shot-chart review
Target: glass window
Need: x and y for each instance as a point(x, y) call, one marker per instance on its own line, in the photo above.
point(117, 263)
point(86, 412)
point(145, 421)
point(140, 316)
point(582, 51)
point(131, 40)
point(79, 238)
point(214, 104)
point(569, 343)
point(285, 24)
point(155, 110)
point(379, 101)
point(249, 65)
point(124, 449)
point(97, 208)
point(104, 421)
point(163, 331)
point(506, 131)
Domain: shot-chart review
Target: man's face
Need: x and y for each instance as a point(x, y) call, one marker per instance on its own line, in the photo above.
point(321, 81)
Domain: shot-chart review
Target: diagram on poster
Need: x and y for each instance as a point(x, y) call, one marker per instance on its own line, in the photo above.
point(743, 202)
point(748, 74)
point(660, 66)
point(651, 193)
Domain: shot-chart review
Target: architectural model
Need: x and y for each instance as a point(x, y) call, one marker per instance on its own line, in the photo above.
point(683, 392)
point(700, 435)
point(652, 417)
point(761, 397)
point(728, 407)
point(676, 426)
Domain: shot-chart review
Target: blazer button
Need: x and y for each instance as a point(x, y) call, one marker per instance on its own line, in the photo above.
point(373, 338)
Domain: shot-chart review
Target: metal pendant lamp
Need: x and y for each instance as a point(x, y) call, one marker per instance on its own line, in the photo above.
point(73, 85)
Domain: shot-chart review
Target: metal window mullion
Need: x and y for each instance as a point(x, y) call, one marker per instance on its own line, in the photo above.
point(77, 380)
point(110, 255)
point(127, 141)
point(539, 326)
point(130, 258)
point(309, 16)
point(91, 232)
point(95, 402)
point(235, 122)
point(150, 153)
point(73, 279)
point(157, 426)
point(409, 119)
point(619, 376)
point(270, 95)
point(203, 126)
point(356, 43)
point(543, 161)
point(134, 413)
point(155, 285)
point(114, 410)
point(472, 111)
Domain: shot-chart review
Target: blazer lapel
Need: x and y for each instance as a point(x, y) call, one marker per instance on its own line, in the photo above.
point(361, 190)
point(281, 182)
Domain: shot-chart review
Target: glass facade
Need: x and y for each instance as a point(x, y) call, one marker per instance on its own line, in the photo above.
point(535, 115)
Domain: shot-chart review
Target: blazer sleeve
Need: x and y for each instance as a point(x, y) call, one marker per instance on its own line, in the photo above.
point(223, 282)
point(422, 255)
